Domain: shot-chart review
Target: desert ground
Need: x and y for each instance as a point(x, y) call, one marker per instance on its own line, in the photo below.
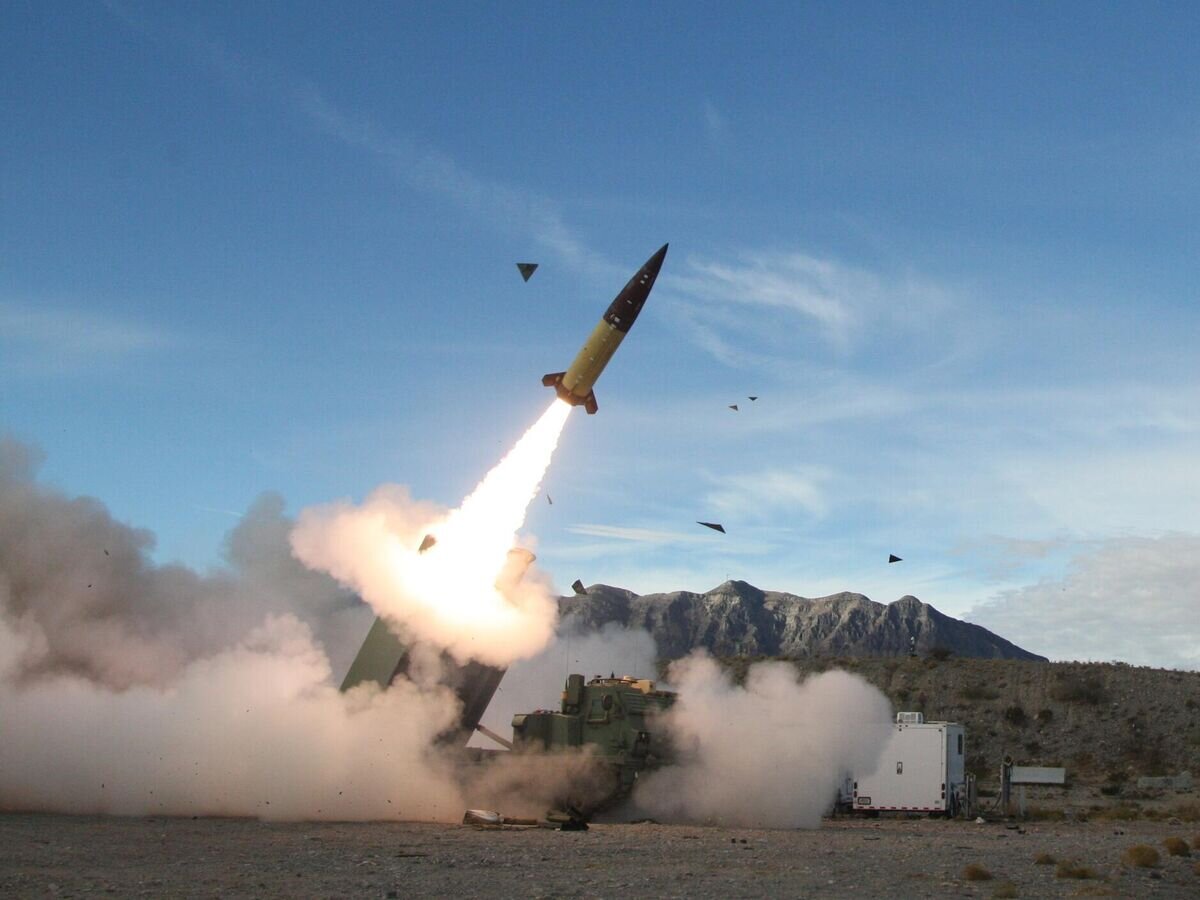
point(79, 856)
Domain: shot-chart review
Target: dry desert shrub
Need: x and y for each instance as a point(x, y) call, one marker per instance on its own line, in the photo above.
point(976, 872)
point(1005, 889)
point(1188, 811)
point(1045, 814)
point(1143, 856)
point(1073, 689)
point(978, 691)
point(1122, 812)
point(1071, 869)
point(1015, 715)
point(1044, 859)
point(1176, 846)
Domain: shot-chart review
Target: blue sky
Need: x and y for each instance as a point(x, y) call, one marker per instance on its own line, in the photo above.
point(951, 247)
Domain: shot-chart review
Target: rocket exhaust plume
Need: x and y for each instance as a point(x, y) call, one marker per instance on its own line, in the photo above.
point(447, 594)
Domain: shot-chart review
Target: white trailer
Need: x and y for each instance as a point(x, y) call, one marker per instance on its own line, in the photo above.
point(921, 769)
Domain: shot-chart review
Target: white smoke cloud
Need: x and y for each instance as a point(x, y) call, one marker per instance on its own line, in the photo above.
point(770, 753)
point(254, 730)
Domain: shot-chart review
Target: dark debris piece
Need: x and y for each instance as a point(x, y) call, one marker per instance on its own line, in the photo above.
point(577, 587)
point(733, 406)
point(715, 526)
point(753, 398)
point(429, 541)
point(894, 558)
point(527, 269)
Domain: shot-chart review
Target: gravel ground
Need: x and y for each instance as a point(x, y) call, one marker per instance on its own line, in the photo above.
point(72, 856)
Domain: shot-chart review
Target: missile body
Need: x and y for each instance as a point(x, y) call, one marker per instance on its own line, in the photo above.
point(575, 384)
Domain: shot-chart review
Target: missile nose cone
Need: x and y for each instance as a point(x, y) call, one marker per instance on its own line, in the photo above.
point(655, 262)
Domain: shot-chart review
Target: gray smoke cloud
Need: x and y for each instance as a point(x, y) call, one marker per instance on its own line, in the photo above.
point(132, 688)
point(80, 590)
point(770, 753)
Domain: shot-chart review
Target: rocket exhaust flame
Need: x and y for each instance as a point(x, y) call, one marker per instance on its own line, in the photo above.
point(451, 593)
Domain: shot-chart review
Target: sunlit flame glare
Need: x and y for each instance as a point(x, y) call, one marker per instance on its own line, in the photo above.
point(456, 578)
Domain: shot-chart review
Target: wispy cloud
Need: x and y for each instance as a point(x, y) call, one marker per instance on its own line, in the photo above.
point(636, 535)
point(794, 282)
point(44, 340)
point(1131, 599)
point(715, 125)
point(433, 171)
point(1003, 557)
point(705, 329)
point(777, 302)
point(421, 167)
point(224, 512)
point(1102, 489)
point(756, 496)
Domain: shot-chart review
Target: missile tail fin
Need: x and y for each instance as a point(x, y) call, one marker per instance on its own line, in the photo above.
point(555, 380)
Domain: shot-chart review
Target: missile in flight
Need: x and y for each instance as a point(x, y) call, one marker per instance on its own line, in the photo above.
point(575, 384)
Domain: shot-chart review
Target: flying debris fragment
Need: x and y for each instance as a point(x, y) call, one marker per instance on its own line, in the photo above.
point(575, 384)
point(894, 558)
point(429, 541)
point(527, 269)
point(733, 406)
point(753, 398)
point(578, 587)
point(549, 500)
point(715, 526)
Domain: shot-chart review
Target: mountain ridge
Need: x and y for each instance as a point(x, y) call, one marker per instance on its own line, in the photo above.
point(738, 619)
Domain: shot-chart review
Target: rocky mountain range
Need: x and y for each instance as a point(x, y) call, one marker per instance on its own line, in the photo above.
point(738, 619)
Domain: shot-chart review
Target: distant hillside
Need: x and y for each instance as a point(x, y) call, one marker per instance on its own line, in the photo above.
point(738, 619)
point(1108, 723)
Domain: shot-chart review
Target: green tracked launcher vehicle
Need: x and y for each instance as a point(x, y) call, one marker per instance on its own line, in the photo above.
point(609, 721)
point(612, 721)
